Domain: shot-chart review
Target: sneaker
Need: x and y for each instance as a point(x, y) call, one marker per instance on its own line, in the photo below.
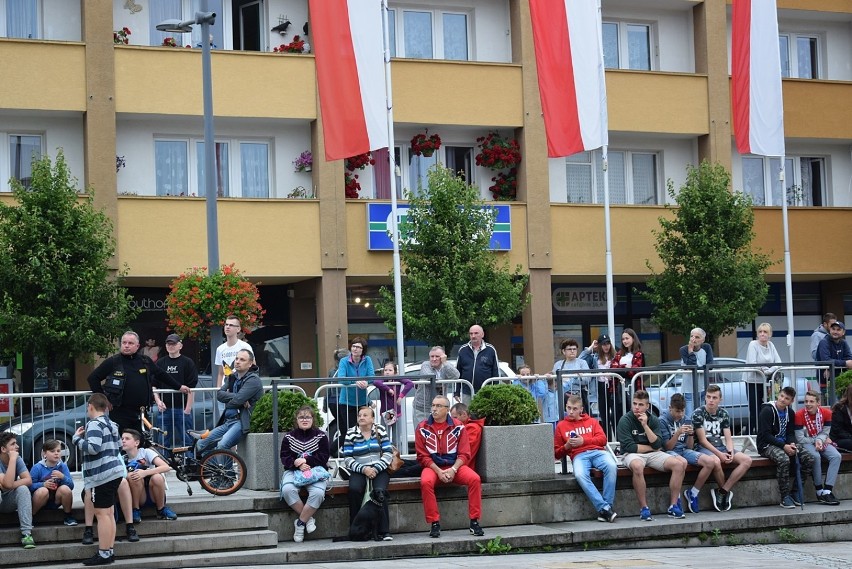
point(27, 541)
point(70, 520)
point(796, 499)
point(475, 528)
point(96, 559)
point(137, 516)
point(166, 514)
point(311, 526)
point(435, 531)
point(299, 534)
point(718, 499)
point(387, 537)
point(829, 499)
point(607, 516)
point(788, 503)
point(675, 512)
point(645, 514)
point(88, 536)
point(691, 501)
point(728, 497)
point(132, 535)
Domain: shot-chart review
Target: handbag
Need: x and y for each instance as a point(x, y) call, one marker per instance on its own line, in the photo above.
point(396, 461)
point(303, 478)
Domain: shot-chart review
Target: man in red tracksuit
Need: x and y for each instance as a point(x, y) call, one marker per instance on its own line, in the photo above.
point(443, 450)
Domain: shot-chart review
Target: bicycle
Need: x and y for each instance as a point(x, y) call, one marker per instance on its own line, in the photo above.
point(220, 472)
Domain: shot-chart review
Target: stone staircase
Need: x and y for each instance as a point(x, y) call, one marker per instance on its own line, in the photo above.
point(198, 533)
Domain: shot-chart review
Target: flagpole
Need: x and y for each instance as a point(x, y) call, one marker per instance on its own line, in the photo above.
point(610, 301)
point(788, 277)
point(401, 434)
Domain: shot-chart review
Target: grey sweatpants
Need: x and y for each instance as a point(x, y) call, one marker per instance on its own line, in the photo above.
point(19, 499)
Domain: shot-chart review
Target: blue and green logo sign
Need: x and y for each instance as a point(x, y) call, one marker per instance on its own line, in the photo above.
point(379, 228)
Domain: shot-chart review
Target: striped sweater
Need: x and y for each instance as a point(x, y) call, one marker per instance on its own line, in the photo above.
point(100, 447)
point(360, 452)
point(299, 443)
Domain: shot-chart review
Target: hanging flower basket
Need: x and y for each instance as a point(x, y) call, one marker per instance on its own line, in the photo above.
point(351, 187)
point(198, 301)
point(304, 162)
point(505, 186)
point(359, 162)
point(425, 145)
point(498, 153)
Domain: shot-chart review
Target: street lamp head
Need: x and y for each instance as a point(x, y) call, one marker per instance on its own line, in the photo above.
point(175, 26)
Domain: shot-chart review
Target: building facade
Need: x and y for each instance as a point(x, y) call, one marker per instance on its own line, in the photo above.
point(461, 69)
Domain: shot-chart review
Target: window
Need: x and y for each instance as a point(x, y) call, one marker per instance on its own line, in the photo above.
point(242, 168)
point(799, 56)
point(429, 34)
point(22, 19)
point(804, 180)
point(159, 11)
point(633, 177)
point(23, 149)
point(628, 45)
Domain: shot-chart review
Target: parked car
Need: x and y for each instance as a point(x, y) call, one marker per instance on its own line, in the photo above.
point(733, 384)
point(59, 420)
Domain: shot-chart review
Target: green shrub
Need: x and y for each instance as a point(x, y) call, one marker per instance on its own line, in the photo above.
point(841, 382)
point(288, 403)
point(503, 405)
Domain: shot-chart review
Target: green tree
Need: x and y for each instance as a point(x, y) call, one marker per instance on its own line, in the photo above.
point(713, 278)
point(450, 278)
point(60, 300)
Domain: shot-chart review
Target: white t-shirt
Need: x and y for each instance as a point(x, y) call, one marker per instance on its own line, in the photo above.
point(225, 354)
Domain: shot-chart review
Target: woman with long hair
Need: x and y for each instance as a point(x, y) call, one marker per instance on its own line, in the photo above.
point(841, 421)
point(760, 352)
point(368, 453)
point(600, 355)
point(630, 355)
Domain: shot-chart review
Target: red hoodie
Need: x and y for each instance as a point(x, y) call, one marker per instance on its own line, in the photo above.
point(593, 435)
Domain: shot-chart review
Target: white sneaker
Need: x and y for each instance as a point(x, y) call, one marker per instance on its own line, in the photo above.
point(299, 534)
point(311, 525)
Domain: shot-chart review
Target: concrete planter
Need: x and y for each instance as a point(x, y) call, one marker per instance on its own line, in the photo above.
point(516, 452)
point(260, 455)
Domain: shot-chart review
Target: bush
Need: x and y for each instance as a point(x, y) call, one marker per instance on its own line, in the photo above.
point(841, 382)
point(502, 405)
point(288, 403)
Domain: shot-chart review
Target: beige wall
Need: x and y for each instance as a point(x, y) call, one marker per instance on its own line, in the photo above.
point(43, 75)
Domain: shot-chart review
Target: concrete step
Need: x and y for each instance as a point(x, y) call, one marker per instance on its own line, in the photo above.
point(170, 548)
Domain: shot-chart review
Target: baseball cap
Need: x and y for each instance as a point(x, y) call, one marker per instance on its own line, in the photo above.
point(604, 339)
point(172, 339)
point(839, 324)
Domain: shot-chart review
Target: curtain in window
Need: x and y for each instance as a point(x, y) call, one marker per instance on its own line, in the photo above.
point(639, 47)
point(418, 34)
point(784, 50)
point(22, 19)
point(222, 169)
point(171, 169)
point(254, 168)
point(578, 169)
point(417, 168)
point(617, 186)
point(806, 49)
point(753, 180)
point(391, 31)
point(159, 10)
point(23, 149)
point(455, 37)
point(644, 179)
point(381, 173)
point(610, 45)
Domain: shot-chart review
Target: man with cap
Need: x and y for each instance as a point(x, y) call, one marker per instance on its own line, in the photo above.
point(176, 408)
point(834, 348)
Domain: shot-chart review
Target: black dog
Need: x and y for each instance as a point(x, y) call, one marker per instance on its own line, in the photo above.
point(366, 524)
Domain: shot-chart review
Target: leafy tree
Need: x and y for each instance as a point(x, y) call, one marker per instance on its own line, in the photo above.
point(60, 300)
point(713, 278)
point(450, 278)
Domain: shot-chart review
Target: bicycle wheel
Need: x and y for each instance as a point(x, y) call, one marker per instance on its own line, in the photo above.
point(222, 472)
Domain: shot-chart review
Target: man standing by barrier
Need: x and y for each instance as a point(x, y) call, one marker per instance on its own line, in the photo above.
point(813, 424)
point(436, 365)
point(833, 348)
point(228, 350)
point(696, 353)
point(583, 441)
point(821, 332)
point(476, 362)
point(176, 409)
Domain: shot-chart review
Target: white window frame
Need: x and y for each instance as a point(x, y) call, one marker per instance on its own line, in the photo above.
point(404, 179)
point(597, 183)
point(39, 21)
point(6, 151)
point(792, 179)
point(234, 173)
point(623, 43)
point(793, 54)
point(397, 13)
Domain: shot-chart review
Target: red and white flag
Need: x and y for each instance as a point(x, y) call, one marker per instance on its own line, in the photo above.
point(567, 38)
point(756, 98)
point(349, 52)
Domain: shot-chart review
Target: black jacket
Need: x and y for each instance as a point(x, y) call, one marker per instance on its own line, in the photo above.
point(142, 376)
point(769, 427)
point(841, 423)
point(476, 368)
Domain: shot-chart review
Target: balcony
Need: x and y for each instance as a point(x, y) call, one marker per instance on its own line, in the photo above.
point(656, 102)
point(42, 75)
point(817, 109)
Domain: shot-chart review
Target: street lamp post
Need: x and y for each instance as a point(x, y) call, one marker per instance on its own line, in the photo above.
point(205, 19)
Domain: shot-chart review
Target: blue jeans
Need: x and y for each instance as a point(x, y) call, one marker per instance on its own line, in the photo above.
point(175, 423)
point(604, 462)
point(225, 435)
